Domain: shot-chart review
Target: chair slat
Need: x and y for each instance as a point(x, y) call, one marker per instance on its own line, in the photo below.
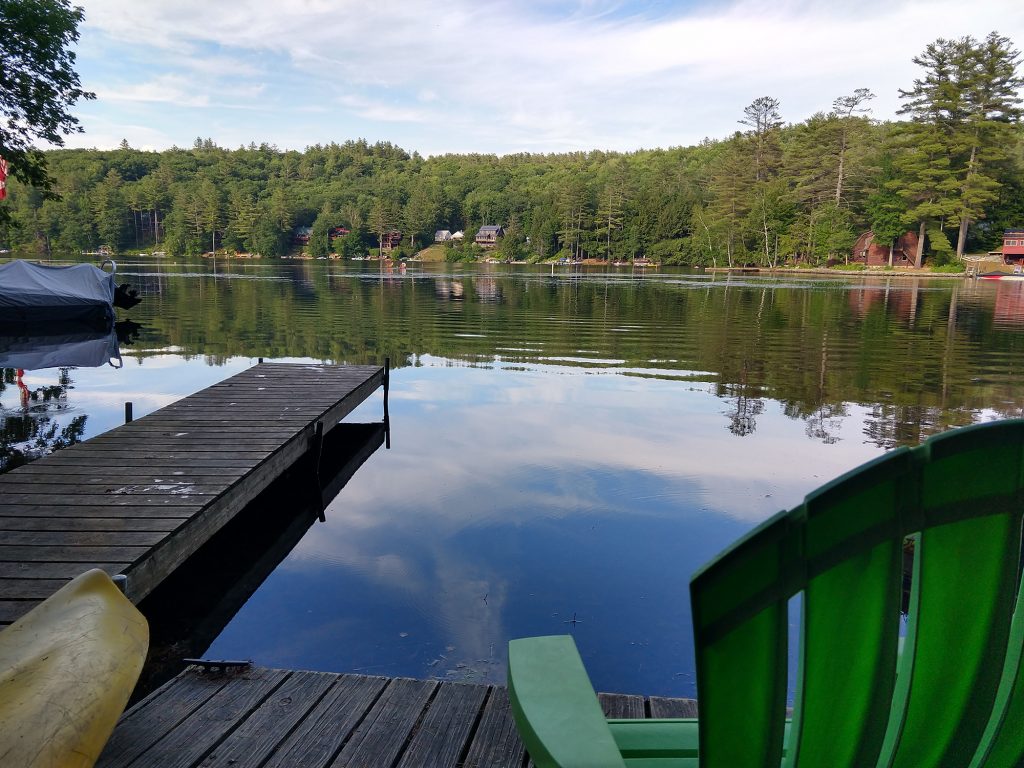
point(963, 609)
point(1002, 744)
point(850, 622)
point(849, 641)
point(966, 581)
point(742, 679)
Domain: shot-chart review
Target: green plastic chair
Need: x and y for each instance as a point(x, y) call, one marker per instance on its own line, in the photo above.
point(949, 693)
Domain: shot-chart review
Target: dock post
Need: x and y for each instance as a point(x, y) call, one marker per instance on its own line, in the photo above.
point(387, 418)
point(128, 412)
point(317, 450)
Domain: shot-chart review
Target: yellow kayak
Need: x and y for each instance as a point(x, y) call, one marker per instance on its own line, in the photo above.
point(67, 669)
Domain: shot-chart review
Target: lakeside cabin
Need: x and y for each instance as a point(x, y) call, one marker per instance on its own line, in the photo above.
point(442, 236)
point(1013, 246)
point(488, 235)
point(460, 235)
point(390, 240)
point(876, 254)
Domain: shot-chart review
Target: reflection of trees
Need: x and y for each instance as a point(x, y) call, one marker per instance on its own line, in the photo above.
point(917, 360)
point(29, 430)
point(890, 425)
point(744, 412)
point(820, 423)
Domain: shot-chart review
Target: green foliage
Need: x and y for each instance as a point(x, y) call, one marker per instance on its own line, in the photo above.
point(319, 236)
point(38, 84)
point(944, 253)
point(267, 239)
point(670, 251)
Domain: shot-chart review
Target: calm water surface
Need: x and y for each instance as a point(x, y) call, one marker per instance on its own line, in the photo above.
point(567, 447)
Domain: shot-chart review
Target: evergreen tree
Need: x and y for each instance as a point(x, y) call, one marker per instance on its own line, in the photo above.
point(991, 83)
point(108, 210)
point(320, 234)
point(886, 209)
point(962, 109)
point(763, 118)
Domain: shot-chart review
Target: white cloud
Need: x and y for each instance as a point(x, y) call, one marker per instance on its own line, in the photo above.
point(513, 76)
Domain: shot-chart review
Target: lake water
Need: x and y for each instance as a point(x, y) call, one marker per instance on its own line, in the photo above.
point(567, 447)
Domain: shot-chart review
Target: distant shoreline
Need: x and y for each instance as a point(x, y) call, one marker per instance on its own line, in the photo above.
point(837, 272)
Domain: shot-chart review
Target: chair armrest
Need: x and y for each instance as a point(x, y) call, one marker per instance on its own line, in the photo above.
point(555, 708)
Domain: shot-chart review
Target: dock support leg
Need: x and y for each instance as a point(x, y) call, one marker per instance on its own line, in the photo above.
point(387, 418)
point(128, 412)
point(316, 451)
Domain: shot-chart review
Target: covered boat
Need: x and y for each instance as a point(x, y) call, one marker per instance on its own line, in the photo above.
point(36, 292)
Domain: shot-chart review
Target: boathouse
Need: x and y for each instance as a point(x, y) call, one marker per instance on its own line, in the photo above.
point(488, 235)
point(1013, 246)
point(867, 250)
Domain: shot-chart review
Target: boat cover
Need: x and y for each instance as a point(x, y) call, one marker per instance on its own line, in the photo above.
point(81, 347)
point(55, 292)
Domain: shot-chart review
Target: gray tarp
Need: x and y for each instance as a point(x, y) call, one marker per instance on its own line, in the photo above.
point(55, 292)
point(83, 348)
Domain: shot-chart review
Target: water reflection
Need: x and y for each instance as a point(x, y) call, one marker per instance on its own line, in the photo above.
point(566, 443)
point(816, 345)
point(224, 573)
point(1009, 303)
point(34, 406)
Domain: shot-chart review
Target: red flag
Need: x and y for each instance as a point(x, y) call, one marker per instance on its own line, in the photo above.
point(3, 178)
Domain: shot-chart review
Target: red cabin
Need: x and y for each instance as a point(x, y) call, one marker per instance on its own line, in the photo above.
point(1013, 246)
point(338, 232)
point(875, 254)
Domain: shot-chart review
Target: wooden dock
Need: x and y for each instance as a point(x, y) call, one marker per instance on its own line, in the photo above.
point(142, 498)
point(270, 718)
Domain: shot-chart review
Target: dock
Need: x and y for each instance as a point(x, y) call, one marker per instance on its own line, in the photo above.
point(272, 718)
point(140, 499)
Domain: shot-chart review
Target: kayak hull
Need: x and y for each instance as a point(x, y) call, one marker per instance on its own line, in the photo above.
point(67, 670)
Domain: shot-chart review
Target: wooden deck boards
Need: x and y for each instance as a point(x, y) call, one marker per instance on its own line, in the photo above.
point(266, 718)
point(143, 497)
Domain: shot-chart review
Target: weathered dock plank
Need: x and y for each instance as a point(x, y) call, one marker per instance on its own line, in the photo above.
point(253, 741)
point(443, 734)
point(261, 718)
point(496, 743)
point(381, 737)
point(329, 724)
point(143, 497)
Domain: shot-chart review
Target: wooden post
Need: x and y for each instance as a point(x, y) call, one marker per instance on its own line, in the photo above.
point(387, 417)
point(317, 451)
point(128, 412)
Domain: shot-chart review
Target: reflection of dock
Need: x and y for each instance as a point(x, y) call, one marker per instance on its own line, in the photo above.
point(193, 605)
point(142, 498)
point(280, 718)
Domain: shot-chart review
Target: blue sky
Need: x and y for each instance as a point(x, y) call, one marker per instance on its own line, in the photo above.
point(475, 76)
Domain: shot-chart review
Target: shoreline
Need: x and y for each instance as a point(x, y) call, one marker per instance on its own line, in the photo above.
point(837, 272)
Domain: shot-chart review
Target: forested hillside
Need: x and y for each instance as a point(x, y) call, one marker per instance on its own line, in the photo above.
point(952, 168)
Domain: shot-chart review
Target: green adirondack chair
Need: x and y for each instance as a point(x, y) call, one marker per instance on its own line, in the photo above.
point(948, 693)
